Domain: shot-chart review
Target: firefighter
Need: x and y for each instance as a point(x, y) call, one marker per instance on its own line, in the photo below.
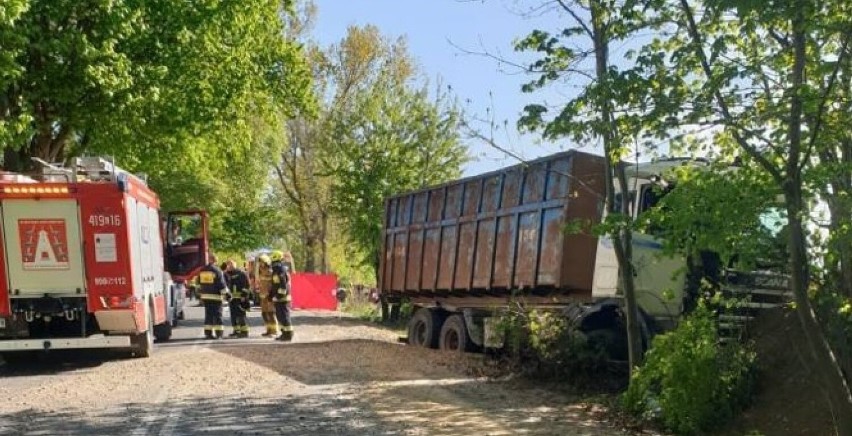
point(239, 302)
point(280, 295)
point(212, 288)
point(264, 285)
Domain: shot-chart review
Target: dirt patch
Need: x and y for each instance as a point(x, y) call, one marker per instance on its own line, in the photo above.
point(789, 400)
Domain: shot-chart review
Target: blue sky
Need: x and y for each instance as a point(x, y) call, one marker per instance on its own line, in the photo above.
point(432, 28)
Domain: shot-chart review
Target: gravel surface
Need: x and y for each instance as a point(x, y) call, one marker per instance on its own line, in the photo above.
point(339, 376)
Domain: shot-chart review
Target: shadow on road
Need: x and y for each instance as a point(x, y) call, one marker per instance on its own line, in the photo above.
point(58, 361)
point(317, 414)
point(434, 409)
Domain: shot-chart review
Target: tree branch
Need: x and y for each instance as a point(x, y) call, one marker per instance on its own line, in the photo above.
point(577, 18)
point(717, 94)
point(524, 68)
point(824, 99)
point(779, 38)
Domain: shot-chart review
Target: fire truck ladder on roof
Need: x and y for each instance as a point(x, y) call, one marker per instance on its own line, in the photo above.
point(87, 168)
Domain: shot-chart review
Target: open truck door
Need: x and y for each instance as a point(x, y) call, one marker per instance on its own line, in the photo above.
point(187, 243)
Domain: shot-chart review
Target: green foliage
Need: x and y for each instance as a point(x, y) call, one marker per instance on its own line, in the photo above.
point(377, 133)
point(359, 305)
point(544, 344)
point(170, 88)
point(406, 144)
point(395, 139)
point(690, 382)
point(721, 210)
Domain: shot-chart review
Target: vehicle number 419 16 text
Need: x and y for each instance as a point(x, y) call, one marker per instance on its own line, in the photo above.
point(104, 220)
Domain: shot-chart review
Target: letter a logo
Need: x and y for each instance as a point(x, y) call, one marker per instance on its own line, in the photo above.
point(44, 244)
point(44, 255)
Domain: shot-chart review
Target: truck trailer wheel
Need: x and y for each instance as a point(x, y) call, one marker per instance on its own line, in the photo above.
point(611, 341)
point(454, 335)
point(424, 328)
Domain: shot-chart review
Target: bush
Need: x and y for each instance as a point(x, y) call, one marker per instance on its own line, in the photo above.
point(690, 382)
point(361, 306)
point(545, 345)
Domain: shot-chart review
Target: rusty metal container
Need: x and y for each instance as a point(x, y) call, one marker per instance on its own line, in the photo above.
point(497, 232)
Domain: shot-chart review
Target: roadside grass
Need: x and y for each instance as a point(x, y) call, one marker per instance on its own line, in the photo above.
point(360, 305)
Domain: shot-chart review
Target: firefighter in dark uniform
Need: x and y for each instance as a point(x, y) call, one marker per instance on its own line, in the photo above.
point(239, 303)
point(212, 288)
point(280, 295)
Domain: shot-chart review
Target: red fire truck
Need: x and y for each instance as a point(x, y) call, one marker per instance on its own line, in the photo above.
point(83, 263)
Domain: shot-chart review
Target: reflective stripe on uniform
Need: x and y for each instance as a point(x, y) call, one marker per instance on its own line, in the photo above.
point(286, 328)
point(206, 277)
point(211, 297)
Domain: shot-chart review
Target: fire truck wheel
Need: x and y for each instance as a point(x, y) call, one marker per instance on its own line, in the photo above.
point(163, 332)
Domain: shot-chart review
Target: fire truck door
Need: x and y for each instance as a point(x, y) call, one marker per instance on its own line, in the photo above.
point(43, 247)
point(186, 243)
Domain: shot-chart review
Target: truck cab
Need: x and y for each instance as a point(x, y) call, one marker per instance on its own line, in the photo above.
point(186, 248)
point(660, 279)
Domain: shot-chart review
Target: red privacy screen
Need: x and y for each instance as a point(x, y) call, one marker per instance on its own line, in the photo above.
point(314, 291)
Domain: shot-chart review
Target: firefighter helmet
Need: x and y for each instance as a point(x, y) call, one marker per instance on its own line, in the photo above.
point(277, 255)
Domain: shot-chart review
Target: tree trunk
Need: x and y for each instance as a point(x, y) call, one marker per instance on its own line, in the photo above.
point(820, 353)
point(841, 242)
point(839, 200)
point(310, 253)
point(12, 160)
point(621, 235)
point(323, 238)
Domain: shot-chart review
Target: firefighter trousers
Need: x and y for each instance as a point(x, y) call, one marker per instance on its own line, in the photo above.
point(282, 312)
point(267, 312)
point(213, 319)
point(238, 318)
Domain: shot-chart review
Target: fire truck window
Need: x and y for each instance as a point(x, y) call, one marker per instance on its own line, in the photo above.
point(184, 228)
point(174, 235)
point(191, 228)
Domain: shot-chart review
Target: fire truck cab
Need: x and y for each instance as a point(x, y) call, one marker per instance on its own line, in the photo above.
point(83, 263)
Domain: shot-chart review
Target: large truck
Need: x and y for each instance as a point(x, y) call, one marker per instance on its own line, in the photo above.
point(83, 263)
point(465, 252)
